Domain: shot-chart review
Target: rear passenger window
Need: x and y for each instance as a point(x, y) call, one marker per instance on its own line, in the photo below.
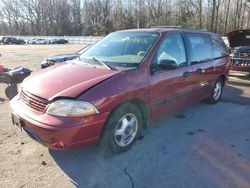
point(201, 47)
point(219, 48)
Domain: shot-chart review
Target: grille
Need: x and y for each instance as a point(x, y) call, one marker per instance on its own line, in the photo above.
point(33, 101)
point(240, 61)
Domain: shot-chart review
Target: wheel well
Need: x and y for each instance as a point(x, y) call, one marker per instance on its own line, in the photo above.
point(223, 78)
point(143, 109)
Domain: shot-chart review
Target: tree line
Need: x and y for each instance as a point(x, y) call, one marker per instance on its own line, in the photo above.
point(100, 17)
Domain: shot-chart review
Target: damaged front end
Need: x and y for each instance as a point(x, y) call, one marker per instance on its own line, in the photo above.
point(239, 42)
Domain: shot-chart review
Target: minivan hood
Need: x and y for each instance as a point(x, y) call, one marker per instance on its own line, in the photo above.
point(239, 38)
point(65, 80)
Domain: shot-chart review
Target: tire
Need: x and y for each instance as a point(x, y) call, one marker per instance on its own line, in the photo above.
point(122, 128)
point(11, 91)
point(216, 92)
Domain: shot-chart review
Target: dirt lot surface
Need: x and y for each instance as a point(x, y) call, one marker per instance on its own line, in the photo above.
point(32, 55)
point(204, 146)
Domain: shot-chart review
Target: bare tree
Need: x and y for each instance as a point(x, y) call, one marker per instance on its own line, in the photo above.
point(100, 17)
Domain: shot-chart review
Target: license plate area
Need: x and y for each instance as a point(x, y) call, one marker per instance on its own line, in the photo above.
point(17, 121)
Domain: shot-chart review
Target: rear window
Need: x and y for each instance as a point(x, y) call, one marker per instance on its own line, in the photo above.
point(201, 47)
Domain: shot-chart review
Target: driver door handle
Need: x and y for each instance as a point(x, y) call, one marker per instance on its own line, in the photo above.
point(199, 70)
point(186, 74)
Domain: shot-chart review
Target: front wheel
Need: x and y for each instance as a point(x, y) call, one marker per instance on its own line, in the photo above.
point(122, 128)
point(216, 92)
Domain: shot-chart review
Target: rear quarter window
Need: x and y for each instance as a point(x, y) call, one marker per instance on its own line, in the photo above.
point(219, 48)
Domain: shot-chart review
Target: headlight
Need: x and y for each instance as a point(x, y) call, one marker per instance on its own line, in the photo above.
point(71, 108)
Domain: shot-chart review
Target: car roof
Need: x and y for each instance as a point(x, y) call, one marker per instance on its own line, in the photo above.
point(164, 29)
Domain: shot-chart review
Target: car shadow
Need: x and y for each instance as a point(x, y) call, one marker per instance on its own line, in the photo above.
point(232, 94)
point(93, 167)
point(234, 90)
point(78, 163)
point(145, 163)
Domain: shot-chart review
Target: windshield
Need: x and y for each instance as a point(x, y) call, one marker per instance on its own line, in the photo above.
point(83, 49)
point(122, 49)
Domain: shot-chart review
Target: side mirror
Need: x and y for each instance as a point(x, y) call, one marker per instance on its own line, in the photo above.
point(168, 64)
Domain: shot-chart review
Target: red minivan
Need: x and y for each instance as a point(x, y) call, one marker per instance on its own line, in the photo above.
point(119, 85)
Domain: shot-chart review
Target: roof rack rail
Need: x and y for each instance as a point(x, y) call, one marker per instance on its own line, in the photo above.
point(171, 26)
point(202, 29)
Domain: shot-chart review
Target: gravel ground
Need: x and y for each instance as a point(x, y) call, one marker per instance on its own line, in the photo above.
point(202, 146)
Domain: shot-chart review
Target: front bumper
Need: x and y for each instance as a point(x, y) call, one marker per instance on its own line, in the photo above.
point(240, 64)
point(58, 132)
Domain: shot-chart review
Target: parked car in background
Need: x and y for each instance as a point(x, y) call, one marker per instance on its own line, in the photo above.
point(39, 41)
point(59, 41)
point(2, 39)
point(61, 58)
point(31, 40)
point(120, 84)
point(13, 40)
point(53, 41)
point(239, 42)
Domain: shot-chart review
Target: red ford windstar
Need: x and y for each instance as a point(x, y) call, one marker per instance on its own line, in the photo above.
point(119, 85)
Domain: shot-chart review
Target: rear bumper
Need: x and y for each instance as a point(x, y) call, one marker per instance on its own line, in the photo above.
point(61, 133)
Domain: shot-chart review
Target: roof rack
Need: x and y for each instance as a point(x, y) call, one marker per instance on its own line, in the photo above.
point(203, 29)
point(171, 26)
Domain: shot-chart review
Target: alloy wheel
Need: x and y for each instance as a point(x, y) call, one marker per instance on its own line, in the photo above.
point(126, 129)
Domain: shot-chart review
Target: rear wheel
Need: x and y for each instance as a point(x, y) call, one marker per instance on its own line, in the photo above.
point(122, 128)
point(216, 92)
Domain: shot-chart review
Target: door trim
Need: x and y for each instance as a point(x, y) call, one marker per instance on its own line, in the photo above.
point(184, 93)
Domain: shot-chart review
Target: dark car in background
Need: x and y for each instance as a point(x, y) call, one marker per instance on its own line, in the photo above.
point(119, 85)
point(59, 41)
point(13, 40)
point(239, 42)
point(61, 58)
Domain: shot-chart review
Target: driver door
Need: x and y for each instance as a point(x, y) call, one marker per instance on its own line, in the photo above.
point(170, 89)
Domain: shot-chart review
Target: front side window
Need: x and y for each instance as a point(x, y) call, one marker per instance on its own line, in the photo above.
point(172, 48)
point(122, 49)
point(201, 47)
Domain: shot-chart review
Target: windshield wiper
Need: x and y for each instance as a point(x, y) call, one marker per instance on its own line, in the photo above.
point(104, 64)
